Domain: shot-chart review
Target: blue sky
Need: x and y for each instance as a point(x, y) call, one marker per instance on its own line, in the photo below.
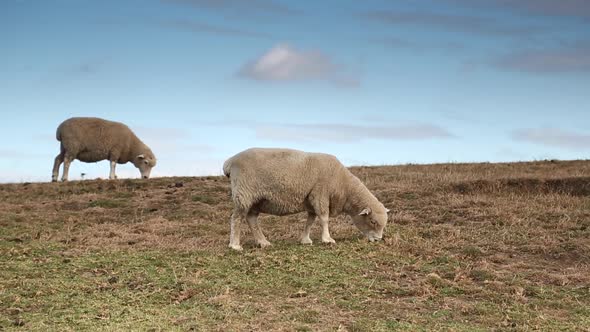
point(372, 82)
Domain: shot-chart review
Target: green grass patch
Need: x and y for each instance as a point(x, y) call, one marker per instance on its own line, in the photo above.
point(472, 252)
point(481, 275)
point(108, 203)
point(203, 199)
point(123, 194)
point(170, 290)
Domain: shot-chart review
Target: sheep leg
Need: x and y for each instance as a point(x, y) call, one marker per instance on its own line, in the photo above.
point(261, 240)
point(305, 239)
point(234, 235)
point(67, 162)
point(112, 175)
point(58, 160)
point(320, 203)
point(326, 238)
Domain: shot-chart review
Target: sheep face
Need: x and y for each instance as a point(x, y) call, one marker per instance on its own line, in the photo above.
point(144, 163)
point(371, 223)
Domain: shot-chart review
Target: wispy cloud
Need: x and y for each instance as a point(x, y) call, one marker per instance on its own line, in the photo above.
point(284, 63)
point(342, 133)
point(507, 153)
point(171, 142)
point(200, 27)
point(86, 67)
point(265, 7)
point(456, 23)
point(569, 58)
point(162, 134)
point(11, 176)
point(405, 44)
point(553, 137)
point(200, 148)
point(198, 165)
point(564, 8)
point(44, 137)
point(19, 154)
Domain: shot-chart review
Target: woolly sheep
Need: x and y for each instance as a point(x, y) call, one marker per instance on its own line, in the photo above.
point(93, 139)
point(284, 181)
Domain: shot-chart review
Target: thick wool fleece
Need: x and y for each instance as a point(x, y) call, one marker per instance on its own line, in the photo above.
point(284, 181)
point(94, 139)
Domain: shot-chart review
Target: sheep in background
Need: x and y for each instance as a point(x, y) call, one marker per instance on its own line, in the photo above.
point(283, 181)
point(93, 139)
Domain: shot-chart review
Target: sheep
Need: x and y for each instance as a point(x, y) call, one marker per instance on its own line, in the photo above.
point(285, 181)
point(94, 139)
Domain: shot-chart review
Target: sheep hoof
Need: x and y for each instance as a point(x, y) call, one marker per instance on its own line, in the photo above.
point(306, 241)
point(264, 244)
point(329, 241)
point(236, 247)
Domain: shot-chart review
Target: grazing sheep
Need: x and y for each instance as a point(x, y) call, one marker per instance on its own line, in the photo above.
point(283, 181)
point(93, 139)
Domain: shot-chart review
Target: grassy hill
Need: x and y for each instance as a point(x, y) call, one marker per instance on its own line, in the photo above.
point(471, 247)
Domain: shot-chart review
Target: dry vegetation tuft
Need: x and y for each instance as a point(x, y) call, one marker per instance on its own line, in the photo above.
point(471, 247)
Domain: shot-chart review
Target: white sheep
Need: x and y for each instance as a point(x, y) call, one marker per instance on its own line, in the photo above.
point(284, 181)
point(93, 139)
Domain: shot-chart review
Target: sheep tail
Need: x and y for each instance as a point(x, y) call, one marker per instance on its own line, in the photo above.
point(227, 167)
point(58, 133)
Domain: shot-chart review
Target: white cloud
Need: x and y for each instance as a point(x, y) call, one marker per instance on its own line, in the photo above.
point(284, 63)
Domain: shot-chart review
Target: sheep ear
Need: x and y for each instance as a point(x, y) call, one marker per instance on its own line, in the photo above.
point(365, 212)
point(387, 210)
point(141, 156)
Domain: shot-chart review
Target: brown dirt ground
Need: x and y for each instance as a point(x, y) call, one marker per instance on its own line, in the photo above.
point(529, 221)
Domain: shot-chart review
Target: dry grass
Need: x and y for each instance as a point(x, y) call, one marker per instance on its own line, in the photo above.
point(471, 247)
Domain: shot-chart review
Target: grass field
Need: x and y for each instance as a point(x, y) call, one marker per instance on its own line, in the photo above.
point(471, 247)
